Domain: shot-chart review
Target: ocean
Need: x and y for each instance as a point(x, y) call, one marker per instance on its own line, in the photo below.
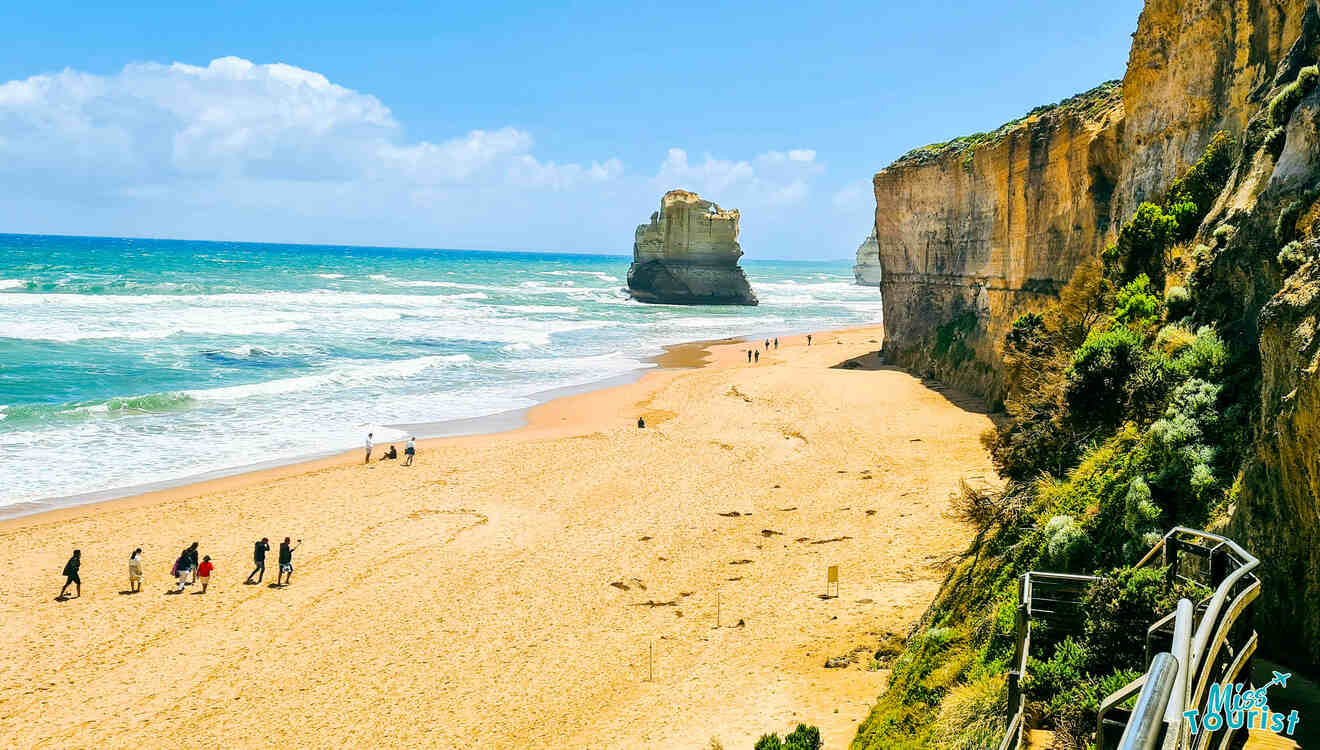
point(131, 362)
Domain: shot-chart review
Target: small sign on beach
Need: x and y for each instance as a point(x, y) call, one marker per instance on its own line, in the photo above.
point(832, 576)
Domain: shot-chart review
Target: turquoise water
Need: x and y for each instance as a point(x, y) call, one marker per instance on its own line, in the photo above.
point(129, 361)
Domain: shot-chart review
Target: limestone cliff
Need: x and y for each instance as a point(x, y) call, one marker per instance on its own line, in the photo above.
point(688, 254)
point(867, 269)
point(974, 232)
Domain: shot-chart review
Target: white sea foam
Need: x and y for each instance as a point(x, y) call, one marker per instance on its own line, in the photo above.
point(12, 283)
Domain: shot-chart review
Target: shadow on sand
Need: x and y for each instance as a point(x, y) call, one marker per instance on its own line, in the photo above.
point(875, 361)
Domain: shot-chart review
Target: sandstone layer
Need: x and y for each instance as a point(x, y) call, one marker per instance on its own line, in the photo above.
point(974, 232)
point(867, 270)
point(688, 255)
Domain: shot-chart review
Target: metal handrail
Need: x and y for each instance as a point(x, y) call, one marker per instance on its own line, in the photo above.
point(1147, 723)
point(1194, 650)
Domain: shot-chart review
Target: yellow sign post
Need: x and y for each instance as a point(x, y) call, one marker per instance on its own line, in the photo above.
point(832, 576)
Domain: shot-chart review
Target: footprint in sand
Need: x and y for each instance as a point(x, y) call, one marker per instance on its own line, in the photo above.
point(832, 539)
point(620, 585)
point(771, 532)
point(741, 562)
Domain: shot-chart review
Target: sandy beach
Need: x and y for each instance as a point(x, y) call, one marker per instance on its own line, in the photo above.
point(553, 586)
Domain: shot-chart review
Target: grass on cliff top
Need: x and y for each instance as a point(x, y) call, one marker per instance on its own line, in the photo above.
point(1089, 105)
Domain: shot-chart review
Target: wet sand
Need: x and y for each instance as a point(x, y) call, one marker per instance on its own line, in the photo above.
point(552, 586)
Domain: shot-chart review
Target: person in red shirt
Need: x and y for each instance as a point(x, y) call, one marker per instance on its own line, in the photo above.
point(204, 572)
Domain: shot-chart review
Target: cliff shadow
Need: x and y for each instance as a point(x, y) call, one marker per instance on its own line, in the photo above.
point(875, 361)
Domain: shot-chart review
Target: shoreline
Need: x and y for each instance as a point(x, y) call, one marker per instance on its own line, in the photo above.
point(537, 419)
point(654, 587)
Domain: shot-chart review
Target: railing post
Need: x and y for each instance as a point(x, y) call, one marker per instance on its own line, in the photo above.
point(1170, 561)
point(1014, 694)
point(1218, 566)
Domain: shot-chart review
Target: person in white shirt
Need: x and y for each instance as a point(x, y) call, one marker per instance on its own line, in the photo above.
point(369, 445)
point(410, 451)
point(135, 571)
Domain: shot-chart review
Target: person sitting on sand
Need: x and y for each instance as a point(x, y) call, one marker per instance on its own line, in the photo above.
point(410, 451)
point(369, 446)
point(390, 454)
point(259, 551)
point(135, 571)
point(285, 575)
point(71, 575)
point(204, 572)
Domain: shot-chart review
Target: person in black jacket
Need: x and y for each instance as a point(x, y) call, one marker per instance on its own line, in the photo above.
point(259, 551)
point(71, 574)
point(189, 558)
point(285, 575)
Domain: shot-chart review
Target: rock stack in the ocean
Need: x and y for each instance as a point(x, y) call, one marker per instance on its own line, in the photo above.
point(867, 270)
point(688, 255)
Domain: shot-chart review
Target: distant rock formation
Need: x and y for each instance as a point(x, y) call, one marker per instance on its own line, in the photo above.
point(867, 270)
point(688, 255)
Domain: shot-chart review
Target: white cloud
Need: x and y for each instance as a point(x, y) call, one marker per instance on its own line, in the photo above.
point(774, 178)
point(235, 119)
point(238, 150)
point(853, 196)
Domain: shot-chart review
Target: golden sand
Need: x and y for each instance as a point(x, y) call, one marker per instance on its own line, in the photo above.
point(508, 590)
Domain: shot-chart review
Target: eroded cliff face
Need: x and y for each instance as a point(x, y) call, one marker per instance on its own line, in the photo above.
point(867, 269)
point(971, 235)
point(688, 254)
point(975, 232)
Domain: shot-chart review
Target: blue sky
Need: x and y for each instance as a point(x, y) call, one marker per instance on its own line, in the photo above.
point(508, 125)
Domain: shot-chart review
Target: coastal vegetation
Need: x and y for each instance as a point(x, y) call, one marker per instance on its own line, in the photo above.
point(1127, 413)
point(1093, 103)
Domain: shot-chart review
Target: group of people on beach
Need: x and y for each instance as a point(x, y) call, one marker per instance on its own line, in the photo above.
point(187, 569)
point(754, 355)
point(409, 451)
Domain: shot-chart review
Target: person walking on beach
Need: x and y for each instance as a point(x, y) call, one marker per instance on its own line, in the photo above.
point(135, 571)
point(71, 575)
point(204, 572)
point(285, 575)
point(369, 446)
point(180, 572)
point(749, 356)
point(758, 357)
point(189, 558)
point(410, 451)
point(808, 339)
point(259, 551)
point(776, 342)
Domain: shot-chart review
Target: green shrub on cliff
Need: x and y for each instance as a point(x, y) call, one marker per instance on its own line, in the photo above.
point(802, 738)
point(1126, 414)
point(1201, 184)
point(1095, 391)
point(1283, 103)
point(1293, 256)
point(1141, 244)
point(1135, 303)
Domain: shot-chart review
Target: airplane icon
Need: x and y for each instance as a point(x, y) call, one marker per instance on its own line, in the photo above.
point(1281, 679)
